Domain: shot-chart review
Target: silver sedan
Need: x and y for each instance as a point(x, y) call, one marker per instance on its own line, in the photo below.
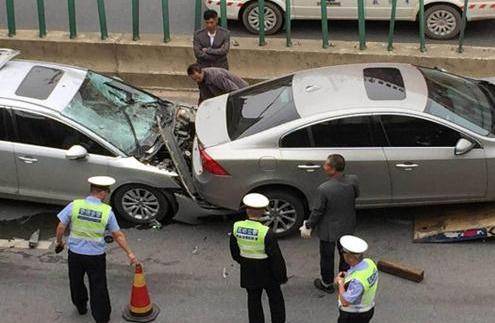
point(413, 135)
point(61, 125)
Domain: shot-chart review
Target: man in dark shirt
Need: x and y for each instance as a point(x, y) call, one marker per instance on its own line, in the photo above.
point(214, 81)
point(212, 43)
point(254, 246)
point(333, 215)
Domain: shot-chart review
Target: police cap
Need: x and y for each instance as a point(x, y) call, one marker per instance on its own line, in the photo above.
point(103, 181)
point(255, 201)
point(353, 244)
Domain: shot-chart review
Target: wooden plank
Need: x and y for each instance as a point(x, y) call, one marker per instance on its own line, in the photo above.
point(455, 223)
point(401, 270)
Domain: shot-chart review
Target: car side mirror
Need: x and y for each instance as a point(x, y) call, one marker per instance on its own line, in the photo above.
point(463, 146)
point(76, 152)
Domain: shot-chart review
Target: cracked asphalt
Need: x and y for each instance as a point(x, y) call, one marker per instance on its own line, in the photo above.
point(184, 264)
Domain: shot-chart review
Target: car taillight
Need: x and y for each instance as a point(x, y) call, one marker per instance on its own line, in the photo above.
point(209, 164)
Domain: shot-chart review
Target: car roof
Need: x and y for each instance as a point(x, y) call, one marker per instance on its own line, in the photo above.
point(333, 88)
point(14, 72)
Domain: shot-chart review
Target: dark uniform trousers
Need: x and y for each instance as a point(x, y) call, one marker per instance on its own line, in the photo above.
point(327, 256)
point(95, 268)
point(346, 317)
point(275, 299)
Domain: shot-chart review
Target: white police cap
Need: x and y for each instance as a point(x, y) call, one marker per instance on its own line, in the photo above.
point(255, 201)
point(353, 244)
point(101, 180)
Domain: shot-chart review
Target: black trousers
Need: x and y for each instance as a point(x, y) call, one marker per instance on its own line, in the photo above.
point(275, 299)
point(95, 268)
point(364, 317)
point(327, 255)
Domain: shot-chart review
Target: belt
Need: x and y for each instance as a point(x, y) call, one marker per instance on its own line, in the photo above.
point(356, 309)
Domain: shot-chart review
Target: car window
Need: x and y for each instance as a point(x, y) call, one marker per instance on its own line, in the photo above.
point(404, 131)
point(39, 82)
point(260, 107)
point(4, 124)
point(345, 132)
point(384, 83)
point(297, 139)
point(460, 100)
point(39, 130)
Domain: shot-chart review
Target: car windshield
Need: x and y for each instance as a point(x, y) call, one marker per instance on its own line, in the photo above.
point(260, 108)
point(119, 113)
point(459, 100)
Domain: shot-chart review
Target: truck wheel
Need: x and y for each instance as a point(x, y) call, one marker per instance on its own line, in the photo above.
point(273, 18)
point(442, 22)
point(139, 203)
point(285, 213)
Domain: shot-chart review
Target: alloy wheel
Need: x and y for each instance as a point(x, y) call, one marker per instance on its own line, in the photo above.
point(141, 204)
point(441, 22)
point(280, 215)
point(270, 18)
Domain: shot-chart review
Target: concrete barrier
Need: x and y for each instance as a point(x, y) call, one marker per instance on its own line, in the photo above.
point(151, 63)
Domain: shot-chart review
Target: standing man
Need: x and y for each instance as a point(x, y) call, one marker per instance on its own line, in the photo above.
point(356, 287)
point(214, 81)
point(254, 246)
point(212, 43)
point(333, 215)
point(88, 219)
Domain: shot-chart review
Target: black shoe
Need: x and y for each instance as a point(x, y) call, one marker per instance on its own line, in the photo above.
point(330, 289)
point(82, 309)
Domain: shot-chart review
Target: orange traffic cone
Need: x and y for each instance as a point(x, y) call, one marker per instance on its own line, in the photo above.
point(140, 309)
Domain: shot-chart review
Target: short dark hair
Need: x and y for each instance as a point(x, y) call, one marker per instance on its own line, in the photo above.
point(95, 189)
point(194, 68)
point(337, 162)
point(210, 14)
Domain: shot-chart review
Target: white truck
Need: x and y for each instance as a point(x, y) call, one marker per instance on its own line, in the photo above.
point(442, 17)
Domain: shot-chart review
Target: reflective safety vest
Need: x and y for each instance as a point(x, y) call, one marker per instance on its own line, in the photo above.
point(368, 277)
point(89, 220)
point(250, 237)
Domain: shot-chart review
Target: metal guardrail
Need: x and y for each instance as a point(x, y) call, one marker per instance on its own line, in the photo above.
point(71, 10)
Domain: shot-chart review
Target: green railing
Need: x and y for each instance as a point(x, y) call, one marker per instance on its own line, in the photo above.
point(223, 4)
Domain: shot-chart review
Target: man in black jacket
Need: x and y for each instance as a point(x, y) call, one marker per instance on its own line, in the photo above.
point(333, 215)
point(254, 246)
point(211, 44)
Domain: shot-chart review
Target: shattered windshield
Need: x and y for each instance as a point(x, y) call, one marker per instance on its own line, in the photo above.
point(459, 100)
point(119, 113)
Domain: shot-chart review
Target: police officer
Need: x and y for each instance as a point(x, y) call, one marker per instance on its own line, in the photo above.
point(88, 219)
point(254, 246)
point(356, 287)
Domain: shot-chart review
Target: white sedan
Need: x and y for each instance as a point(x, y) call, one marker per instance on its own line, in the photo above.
point(443, 18)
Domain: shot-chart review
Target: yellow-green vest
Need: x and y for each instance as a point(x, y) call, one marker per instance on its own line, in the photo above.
point(89, 220)
point(250, 237)
point(368, 277)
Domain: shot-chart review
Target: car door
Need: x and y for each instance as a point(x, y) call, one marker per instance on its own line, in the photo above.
point(304, 151)
point(40, 154)
point(423, 165)
point(311, 9)
point(382, 9)
point(8, 178)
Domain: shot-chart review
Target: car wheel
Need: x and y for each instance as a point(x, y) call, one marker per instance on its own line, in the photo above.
point(442, 22)
point(141, 204)
point(285, 214)
point(273, 18)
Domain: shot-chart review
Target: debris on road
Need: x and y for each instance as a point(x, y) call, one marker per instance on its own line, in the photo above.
point(455, 223)
point(401, 270)
point(195, 250)
point(34, 239)
point(225, 274)
point(16, 243)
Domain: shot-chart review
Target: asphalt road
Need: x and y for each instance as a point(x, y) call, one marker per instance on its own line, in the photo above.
point(190, 287)
point(182, 22)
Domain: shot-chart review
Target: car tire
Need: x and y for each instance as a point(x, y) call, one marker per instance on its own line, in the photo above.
point(273, 18)
point(279, 198)
point(442, 22)
point(140, 204)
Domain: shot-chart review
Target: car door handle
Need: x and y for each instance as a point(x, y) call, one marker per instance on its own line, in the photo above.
point(28, 160)
point(406, 166)
point(308, 168)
